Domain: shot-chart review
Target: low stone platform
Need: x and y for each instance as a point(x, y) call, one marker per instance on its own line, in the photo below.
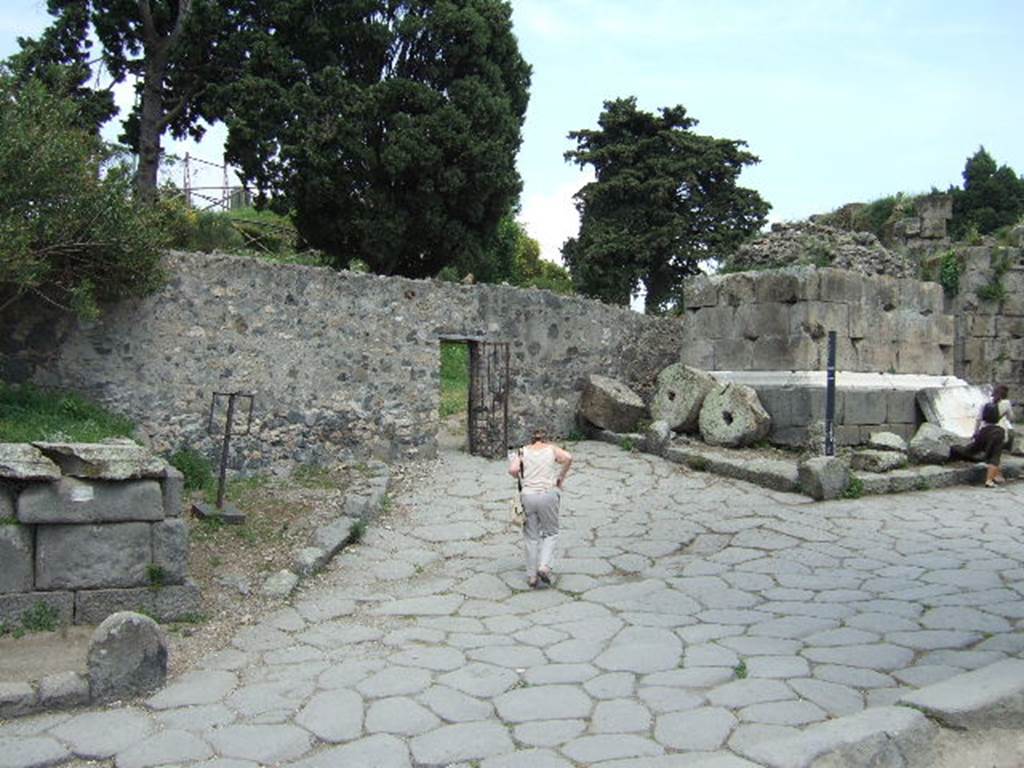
point(780, 474)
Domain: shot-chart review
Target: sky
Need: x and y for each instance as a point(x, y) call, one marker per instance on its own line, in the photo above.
point(843, 101)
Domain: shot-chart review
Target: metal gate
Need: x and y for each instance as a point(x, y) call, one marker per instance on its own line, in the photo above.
point(489, 385)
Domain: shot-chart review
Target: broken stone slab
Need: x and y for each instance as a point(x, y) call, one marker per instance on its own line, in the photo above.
point(610, 404)
point(21, 461)
point(308, 561)
point(75, 501)
point(886, 441)
point(954, 409)
point(121, 460)
point(880, 736)
point(877, 461)
point(824, 477)
point(777, 474)
point(991, 697)
point(680, 395)
point(280, 584)
point(333, 536)
point(127, 657)
point(63, 690)
point(657, 438)
point(931, 444)
point(17, 699)
point(732, 416)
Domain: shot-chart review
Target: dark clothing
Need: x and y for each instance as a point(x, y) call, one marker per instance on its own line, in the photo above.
point(988, 440)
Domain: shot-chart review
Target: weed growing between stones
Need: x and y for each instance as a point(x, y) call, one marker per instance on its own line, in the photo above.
point(628, 445)
point(9, 520)
point(357, 532)
point(854, 489)
point(699, 464)
point(196, 468)
point(40, 618)
point(575, 435)
point(921, 484)
point(740, 670)
point(156, 575)
point(950, 269)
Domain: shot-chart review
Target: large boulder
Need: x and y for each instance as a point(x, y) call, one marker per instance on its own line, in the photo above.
point(680, 395)
point(931, 444)
point(953, 409)
point(887, 441)
point(610, 404)
point(824, 477)
point(732, 416)
point(127, 657)
point(657, 438)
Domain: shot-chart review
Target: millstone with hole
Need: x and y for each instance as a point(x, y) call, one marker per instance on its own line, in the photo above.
point(680, 394)
point(732, 416)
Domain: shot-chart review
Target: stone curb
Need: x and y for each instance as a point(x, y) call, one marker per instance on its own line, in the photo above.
point(63, 690)
point(359, 506)
point(904, 734)
point(781, 475)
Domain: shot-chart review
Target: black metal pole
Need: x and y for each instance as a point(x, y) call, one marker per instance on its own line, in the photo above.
point(830, 397)
point(224, 451)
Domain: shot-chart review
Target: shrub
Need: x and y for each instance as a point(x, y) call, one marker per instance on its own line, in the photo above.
point(71, 234)
point(28, 414)
point(196, 468)
point(854, 489)
point(950, 269)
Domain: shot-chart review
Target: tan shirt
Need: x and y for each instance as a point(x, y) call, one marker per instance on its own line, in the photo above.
point(540, 470)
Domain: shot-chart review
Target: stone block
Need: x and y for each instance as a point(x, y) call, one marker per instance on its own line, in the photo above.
point(121, 460)
point(877, 461)
point(824, 477)
point(714, 323)
point(733, 355)
point(170, 550)
point(991, 697)
point(173, 489)
point(926, 358)
point(924, 297)
point(785, 353)
point(790, 437)
point(871, 323)
point(75, 501)
point(737, 289)
point(700, 291)
point(901, 407)
point(8, 500)
point(170, 603)
point(178, 602)
point(886, 441)
point(21, 461)
point(758, 320)
point(698, 354)
point(944, 331)
point(839, 286)
point(63, 690)
point(610, 404)
point(778, 287)
point(985, 325)
point(817, 318)
point(864, 406)
point(849, 434)
point(931, 444)
point(92, 556)
point(882, 293)
point(13, 606)
point(876, 354)
point(16, 700)
point(16, 558)
point(127, 657)
point(880, 736)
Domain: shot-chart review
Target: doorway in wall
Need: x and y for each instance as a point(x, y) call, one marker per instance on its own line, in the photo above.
point(475, 385)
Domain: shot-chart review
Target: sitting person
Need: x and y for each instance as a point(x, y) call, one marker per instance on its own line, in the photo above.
point(988, 439)
point(999, 397)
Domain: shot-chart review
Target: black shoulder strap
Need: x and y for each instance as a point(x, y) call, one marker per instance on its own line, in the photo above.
point(522, 469)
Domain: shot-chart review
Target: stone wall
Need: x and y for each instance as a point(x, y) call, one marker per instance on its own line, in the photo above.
point(779, 321)
point(89, 530)
point(990, 331)
point(342, 364)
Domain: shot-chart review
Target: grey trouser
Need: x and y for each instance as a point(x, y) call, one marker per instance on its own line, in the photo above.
point(540, 530)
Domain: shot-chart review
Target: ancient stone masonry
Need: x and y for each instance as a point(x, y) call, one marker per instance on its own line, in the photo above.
point(342, 364)
point(89, 530)
point(990, 316)
point(779, 321)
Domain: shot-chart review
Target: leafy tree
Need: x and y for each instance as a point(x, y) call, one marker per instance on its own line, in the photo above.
point(178, 51)
point(70, 233)
point(665, 198)
point(389, 127)
point(992, 197)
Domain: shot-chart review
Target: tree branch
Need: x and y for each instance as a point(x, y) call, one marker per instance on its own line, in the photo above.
point(171, 114)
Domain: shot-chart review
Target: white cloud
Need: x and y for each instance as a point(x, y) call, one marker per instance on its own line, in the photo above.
point(551, 217)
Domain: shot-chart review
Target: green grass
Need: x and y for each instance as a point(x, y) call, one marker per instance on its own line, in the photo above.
point(740, 670)
point(156, 575)
point(454, 378)
point(8, 520)
point(40, 618)
point(854, 489)
point(29, 414)
point(316, 476)
point(197, 469)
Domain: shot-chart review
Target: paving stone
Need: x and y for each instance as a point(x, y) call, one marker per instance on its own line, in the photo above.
point(378, 751)
point(660, 699)
point(32, 752)
point(512, 657)
point(455, 706)
point(592, 749)
point(462, 741)
point(835, 699)
point(841, 636)
point(986, 698)
point(395, 681)
point(783, 713)
point(166, 747)
point(742, 693)
point(783, 667)
point(280, 697)
point(879, 656)
point(699, 677)
point(477, 679)
point(792, 627)
point(438, 659)
point(527, 758)
point(882, 623)
point(549, 733)
point(932, 639)
point(433, 605)
point(333, 716)
point(101, 735)
point(560, 673)
point(611, 685)
point(963, 619)
point(543, 702)
point(705, 729)
point(195, 719)
point(641, 650)
point(761, 646)
point(852, 676)
point(921, 675)
point(261, 743)
point(709, 655)
point(748, 735)
point(620, 716)
point(575, 651)
point(400, 716)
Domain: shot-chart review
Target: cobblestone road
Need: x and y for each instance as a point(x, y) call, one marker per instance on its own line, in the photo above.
point(691, 617)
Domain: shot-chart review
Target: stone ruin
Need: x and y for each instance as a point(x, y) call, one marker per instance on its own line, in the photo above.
point(87, 530)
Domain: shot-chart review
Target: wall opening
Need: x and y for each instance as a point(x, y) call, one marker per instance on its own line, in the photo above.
point(475, 385)
point(454, 409)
